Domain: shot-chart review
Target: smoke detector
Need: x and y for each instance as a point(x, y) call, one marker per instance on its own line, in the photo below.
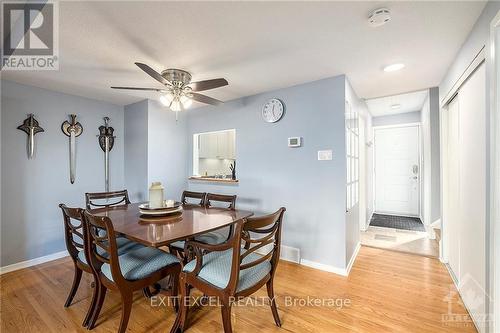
point(379, 17)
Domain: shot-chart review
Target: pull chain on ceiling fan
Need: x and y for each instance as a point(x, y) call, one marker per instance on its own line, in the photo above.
point(179, 92)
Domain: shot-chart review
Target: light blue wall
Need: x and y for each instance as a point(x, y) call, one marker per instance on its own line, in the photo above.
point(397, 119)
point(31, 223)
point(136, 150)
point(156, 150)
point(272, 175)
point(167, 149)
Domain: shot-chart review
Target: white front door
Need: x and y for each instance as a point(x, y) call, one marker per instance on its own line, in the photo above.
point(397, 170)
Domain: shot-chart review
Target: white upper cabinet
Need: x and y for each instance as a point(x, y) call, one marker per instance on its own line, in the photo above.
point(217, 145)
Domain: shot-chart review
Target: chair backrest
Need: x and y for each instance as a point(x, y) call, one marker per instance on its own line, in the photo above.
point(212, 197)
point(101, 244)
point(193, 195)
point(255, 233)
point(101, 199)
point(73, 230)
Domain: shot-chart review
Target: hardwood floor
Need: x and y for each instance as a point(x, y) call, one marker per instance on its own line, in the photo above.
point(400, 240)
point(386, 291)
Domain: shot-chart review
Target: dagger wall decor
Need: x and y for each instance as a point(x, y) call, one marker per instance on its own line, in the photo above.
point(106, 142)
point(31, 127)
point(73, 130)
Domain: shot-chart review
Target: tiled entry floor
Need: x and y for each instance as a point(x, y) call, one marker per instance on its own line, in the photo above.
point(400, 240)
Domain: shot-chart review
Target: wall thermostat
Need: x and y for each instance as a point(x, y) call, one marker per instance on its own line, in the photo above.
point(295, 142)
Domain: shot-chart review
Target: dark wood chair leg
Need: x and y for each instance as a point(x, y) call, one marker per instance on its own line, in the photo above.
point(92, 304)
point(101, 294)
point(147, 292)
point(226, 317)
point(174, 281)
point(76, 282)
point(274, 308)
point(126, 309)
point(181, 319)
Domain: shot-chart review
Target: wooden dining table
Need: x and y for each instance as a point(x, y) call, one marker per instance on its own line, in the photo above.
point(192, 221)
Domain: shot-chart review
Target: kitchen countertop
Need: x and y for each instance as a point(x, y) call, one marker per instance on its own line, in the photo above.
point(211, 179)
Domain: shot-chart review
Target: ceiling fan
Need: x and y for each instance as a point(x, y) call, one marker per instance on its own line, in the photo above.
point(179, 92)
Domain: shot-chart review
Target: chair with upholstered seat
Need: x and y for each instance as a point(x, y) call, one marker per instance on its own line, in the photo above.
point(75, 244)
point(218, 201)
point(233, 270)
point(134, 270)
point(73, 234)
point(106, 199)
point(213, 237)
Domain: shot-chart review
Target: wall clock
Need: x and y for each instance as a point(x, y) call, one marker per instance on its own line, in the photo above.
point(273, 110)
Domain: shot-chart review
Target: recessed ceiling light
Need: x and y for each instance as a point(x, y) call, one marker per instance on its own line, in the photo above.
point(395, 106)
point(394, 67)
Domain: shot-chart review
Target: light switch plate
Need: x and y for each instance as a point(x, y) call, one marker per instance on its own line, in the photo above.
point(325, 155)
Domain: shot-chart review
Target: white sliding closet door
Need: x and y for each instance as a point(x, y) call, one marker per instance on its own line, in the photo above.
point(464, 191)
point(472, 105)
point(453, 187)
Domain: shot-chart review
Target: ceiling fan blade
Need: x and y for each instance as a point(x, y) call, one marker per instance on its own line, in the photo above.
point(208, 84)
point(205, 99)
point(154, 74)
point(134, 88)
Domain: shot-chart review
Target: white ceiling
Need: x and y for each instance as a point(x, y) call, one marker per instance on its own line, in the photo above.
point(409, 102)
point(256, 46)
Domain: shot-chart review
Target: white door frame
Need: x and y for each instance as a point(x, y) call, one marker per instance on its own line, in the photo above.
point(494, 248)
point(362, 173)
point(375, 128)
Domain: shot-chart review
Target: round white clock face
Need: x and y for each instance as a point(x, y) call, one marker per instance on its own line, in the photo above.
point(273, 110)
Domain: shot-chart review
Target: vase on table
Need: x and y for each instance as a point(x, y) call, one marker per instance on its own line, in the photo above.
point(156, 192)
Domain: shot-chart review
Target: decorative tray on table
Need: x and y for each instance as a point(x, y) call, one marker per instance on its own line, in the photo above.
point(144, 209)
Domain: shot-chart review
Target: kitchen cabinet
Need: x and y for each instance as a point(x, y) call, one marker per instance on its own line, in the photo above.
point(217, 145)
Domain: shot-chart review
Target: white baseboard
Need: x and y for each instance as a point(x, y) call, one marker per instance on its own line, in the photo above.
point(287, 253)
point(324, 267)
point(475, 320)
point(333, 269)
point(353, 258)
point(33, 262)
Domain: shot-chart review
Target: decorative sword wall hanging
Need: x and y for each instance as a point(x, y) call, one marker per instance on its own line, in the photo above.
point(73, 130)
point(106, 141)
point(31, 127)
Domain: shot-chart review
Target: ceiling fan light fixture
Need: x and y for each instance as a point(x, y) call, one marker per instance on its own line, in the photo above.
point(166, 99)
point(176, 105)
point(186, 101)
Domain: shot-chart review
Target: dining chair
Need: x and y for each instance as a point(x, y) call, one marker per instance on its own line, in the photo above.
point(220, 235)
point(134, 270)
point(76, 245)
point(233, 270)
point(212, 237)
point(101, 199)
point(222, 198)
point(187, 198)
point(186, 195)
point(73, 234)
